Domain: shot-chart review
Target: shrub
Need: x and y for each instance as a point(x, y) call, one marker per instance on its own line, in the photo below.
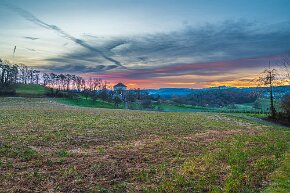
point(285, 103)
point(285, 115)
point(146, 103)
point(8, 77)
point(117, 100)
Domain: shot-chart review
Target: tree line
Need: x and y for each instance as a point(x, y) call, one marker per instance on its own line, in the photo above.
point(8, 77)
point(12, 74)
point(64, 85)
point(217, 98)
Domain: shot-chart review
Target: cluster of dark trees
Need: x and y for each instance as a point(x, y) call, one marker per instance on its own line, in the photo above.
point(128, 97)
point(8, 77)
point(103, 94)
point(61, 84)
point(70, 86)
point(217, 98)
point(27, 75)
point(284, 116)
point(66, 82)
point(285, 103)
point(143, 98)
point(12, 74)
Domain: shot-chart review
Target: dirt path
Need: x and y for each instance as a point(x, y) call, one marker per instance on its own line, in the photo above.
point(261, 121)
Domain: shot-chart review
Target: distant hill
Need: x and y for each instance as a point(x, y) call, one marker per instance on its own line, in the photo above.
point(170, 92)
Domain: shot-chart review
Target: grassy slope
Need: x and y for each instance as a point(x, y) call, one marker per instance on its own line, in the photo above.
point(188, 108)
point(30, 90)
point(82, 102)
point(48, 146)
point(239, 108)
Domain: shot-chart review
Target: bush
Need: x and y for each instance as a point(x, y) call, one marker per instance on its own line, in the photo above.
point(285, 104)
point(103, 94)
point(8, 77)
point(146, 103)
point(7, 90)
point(117, 100)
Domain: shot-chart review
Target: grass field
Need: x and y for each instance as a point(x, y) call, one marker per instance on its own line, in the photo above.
point(239, 108)
point(30, 90)
point(47, 146)
point(82, 102)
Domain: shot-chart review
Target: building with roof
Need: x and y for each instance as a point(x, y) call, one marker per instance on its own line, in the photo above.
point(120, 87)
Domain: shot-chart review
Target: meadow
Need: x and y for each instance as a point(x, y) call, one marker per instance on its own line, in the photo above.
point(82, 102)
point(28, 90)
point(50, 146)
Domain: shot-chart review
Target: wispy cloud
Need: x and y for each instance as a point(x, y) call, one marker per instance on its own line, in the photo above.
point(188, 51)
point(233, 73)
point(30, 49)
point(30, 17)
point(78, 68)
point(31, 38)
point(227, 41)
point(202, 71)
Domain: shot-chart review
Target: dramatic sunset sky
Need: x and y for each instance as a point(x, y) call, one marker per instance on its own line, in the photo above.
point(148, 43)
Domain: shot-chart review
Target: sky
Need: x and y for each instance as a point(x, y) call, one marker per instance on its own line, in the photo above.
point(148, 43)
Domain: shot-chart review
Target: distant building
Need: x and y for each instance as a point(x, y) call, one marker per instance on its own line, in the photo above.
point(120, 91)
point(120, 87)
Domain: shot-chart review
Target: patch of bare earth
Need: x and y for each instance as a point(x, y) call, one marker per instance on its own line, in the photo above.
point(215, 135)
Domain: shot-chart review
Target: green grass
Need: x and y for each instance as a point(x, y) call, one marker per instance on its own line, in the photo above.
point(179, 108)
point(245, 167)
point(260, 116)
point(265, 104)
point(30, 90)
point(280, 178)
point(172, 107)
point(82, 102)
point(238, 108)
point(48, 146)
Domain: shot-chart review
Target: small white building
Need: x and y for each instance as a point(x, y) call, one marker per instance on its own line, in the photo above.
point(120, 91)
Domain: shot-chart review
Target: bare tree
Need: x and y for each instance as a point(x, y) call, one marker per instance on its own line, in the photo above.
point(78, 81)
point(23, 73)
point(269, 78)
point(36, 76)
